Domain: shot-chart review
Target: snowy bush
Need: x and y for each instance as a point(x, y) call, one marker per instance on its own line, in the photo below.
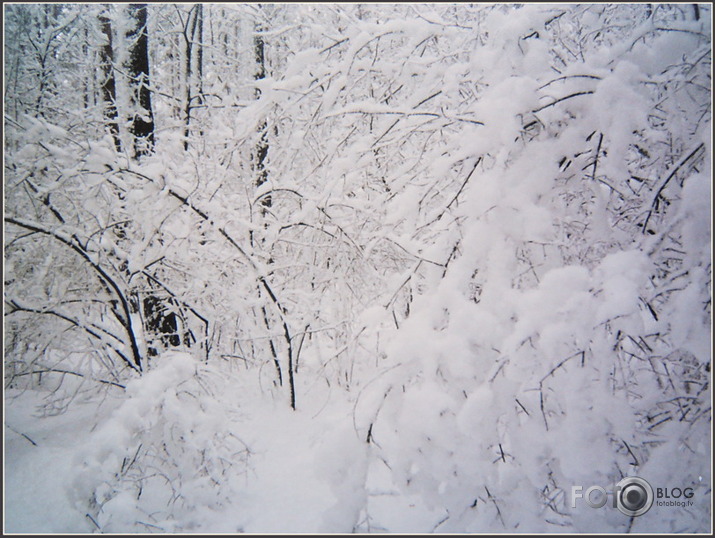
point(165, 459)
point(547, 355)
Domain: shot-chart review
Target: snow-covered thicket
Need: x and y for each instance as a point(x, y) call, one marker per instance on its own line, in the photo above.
point(424, 267)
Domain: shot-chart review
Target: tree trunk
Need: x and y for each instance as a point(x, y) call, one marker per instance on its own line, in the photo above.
point(200, 50)
point(193, 68)
point(142, 117)
point(261, 176)
point(109, 87)
point(261, 153)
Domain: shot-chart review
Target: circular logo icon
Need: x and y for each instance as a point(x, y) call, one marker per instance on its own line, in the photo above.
point(634, 496)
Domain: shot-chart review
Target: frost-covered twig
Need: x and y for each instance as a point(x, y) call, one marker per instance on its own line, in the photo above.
point(566, 77)
point(670, 176)
point(560, 364)
point(407, 279)
point(454, 198)
point(47, 370)
point(576, 94)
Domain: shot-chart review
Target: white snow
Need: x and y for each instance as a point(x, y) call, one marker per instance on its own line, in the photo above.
point(454, 259)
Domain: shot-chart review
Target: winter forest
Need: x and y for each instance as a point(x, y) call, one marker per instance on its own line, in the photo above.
point(355, 268)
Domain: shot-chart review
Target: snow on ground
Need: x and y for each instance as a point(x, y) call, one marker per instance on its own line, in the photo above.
point(294, 478)
point(36, 475)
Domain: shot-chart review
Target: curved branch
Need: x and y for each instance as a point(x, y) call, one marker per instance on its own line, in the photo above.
point(561, 99)
point(48, 370)
point(287, 226)
point(91, 331)
point(273, 191)
point(674, 171)
point(455, 197)
point(566, 77)
point(74, 244)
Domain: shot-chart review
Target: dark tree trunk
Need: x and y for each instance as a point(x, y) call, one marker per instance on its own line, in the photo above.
point(109, 87)
point(261, 152)
point(142, 119)
point(200, 59)
point(193, 65)
point(261, 176)
point(200, 50)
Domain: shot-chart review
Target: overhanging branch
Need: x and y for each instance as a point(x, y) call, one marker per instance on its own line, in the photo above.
point(73, 243)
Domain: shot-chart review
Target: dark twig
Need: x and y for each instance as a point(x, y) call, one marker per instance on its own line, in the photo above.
point(670, 176)
point(69, 372)
point(541, 405)
point(20, 433)
point(454, 198)
point(566, 77)
point(560, 100)
point(628, 448)
point(524, 408)
point(93, 521)
point(91, 329)
point(496, 506)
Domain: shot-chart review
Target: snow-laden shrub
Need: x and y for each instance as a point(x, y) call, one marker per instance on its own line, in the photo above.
point(567, 342)
point(166, 457)
point(484, 428)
